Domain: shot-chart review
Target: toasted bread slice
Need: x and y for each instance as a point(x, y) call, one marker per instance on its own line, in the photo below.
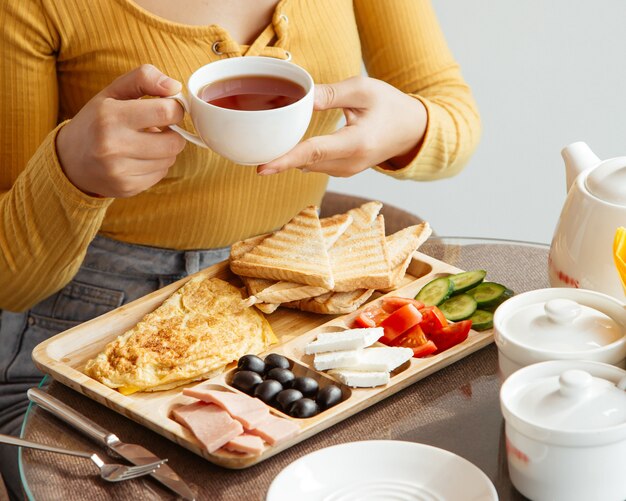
point(365, 214)
point(359, 258)
point(401, 246)
point(238, 249)
point(267, 308)
point(269, 291)
point(295, 253)
point(333, 227)
point(281, 292)
point(333, 302)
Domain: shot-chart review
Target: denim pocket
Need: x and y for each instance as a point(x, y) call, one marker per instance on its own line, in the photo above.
point(35, 330)
point(77, 302)
point(80, 301)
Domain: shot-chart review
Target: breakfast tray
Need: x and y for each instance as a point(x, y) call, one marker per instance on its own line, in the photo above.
point(64, 355)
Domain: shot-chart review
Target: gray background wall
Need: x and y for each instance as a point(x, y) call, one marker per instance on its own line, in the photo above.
point(545, 73)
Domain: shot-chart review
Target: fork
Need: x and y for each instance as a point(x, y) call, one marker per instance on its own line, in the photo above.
point(108, 472)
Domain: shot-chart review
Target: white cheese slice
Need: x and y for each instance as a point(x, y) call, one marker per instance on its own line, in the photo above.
point(360, 379)
point(382, 359)
point(352, 339)
point(336, 359)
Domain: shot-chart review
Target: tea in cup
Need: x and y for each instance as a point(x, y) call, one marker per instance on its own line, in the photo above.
point(250, 110)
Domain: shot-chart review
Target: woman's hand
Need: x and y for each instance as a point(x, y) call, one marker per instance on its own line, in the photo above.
point(113, 147)
point(381, 123)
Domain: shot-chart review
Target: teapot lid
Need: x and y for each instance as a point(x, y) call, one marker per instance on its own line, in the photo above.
point(608, 181)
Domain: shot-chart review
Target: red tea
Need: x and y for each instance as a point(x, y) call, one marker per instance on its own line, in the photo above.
point(252, 93)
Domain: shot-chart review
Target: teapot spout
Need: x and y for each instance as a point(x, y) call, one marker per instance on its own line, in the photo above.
point(578, 157)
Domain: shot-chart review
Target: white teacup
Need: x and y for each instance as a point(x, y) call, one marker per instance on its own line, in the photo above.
point(247, 137)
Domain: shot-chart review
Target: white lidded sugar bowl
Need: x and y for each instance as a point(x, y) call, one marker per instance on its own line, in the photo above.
point(559, 324)
point(565, 428)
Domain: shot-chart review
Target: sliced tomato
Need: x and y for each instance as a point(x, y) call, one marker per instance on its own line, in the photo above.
point(412, 338)
point(392, 303)
point(450, 335)
point(370, 317)
point(428, 348)
point(433, 319)
point(415, 339)
point(400, 321)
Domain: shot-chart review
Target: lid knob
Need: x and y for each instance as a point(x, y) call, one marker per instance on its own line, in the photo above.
point(574, 383)
point(562, 311)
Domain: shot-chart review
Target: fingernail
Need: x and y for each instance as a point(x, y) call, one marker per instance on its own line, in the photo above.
point(266, 172)
point(304, 170)
point(169, 83)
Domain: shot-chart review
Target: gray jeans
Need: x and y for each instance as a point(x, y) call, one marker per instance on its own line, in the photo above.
point(112, 273)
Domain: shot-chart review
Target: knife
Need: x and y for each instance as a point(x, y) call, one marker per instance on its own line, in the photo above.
point(135, 454)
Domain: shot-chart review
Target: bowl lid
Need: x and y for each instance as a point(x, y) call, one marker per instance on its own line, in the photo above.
point(572, 400)
point(561, 325)
point(567, 402)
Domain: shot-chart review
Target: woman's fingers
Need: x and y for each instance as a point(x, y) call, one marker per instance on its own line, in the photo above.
point(113, 146)
point(351, 93)
point(310, 154)
point(144, 113)
point(382, 123)
point(150, 145)
point(146, 80)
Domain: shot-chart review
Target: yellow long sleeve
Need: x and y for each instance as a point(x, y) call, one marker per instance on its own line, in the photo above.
point(411, 54)
point(57, 54)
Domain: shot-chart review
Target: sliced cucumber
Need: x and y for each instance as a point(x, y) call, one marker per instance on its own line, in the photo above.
point(435, 292)
point(465, 281)
point(458, 307)
point(482, 320)
point(493, 307)
point(490, 294)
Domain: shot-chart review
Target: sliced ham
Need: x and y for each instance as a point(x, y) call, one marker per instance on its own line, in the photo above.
point(275, 429)
point(250, 412)
point(212, 426)
point(247, 444)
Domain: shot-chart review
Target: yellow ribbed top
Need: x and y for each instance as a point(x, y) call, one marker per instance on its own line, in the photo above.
point(56, 54)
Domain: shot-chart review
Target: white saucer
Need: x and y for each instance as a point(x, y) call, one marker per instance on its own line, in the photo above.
point(380, 470)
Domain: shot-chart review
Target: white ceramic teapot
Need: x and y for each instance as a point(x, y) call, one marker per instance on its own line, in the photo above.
point(581, 254)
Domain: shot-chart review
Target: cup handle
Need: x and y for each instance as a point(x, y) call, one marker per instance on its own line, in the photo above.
point(192, 138)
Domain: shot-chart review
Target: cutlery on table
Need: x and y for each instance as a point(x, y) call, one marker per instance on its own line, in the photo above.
point(108, 472)
point(136, 454)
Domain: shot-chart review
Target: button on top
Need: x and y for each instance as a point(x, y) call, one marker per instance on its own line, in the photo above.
point(215, 49)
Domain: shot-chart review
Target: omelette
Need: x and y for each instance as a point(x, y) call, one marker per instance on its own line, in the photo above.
point(192, 336)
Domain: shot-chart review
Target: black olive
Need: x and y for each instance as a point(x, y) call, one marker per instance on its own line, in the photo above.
point(276, 360)
point(307, 385)
point(303, 408)
point(268, 390)
point(251, 363)
point(283, 376)
point(328, 396)
point(246, 381)
point(287, 397)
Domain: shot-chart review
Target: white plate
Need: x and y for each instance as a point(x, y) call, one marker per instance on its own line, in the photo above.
point(380, 470)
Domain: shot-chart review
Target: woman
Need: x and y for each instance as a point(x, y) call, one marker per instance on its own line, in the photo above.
point(100, 203)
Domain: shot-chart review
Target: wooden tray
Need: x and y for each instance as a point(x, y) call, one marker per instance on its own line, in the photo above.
point(64, 355)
